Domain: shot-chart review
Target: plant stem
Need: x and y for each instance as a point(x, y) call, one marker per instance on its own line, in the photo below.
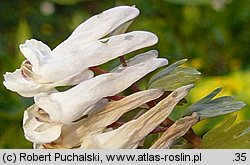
point(192, 138)
point(98, 69)
point(116, 97)
point(123, 61)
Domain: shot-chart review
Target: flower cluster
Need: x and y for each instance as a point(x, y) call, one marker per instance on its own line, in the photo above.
point(80, 116)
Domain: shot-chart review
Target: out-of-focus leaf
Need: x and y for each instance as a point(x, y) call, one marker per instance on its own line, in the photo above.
point(23, 33)
point(190, 2)
point(11, 135)
point(174, 76)
point(227, 136)
point(216, 4)
point(206, 107)
point(67, 2)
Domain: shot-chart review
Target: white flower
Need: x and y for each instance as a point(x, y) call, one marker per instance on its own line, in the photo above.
point(68, 63)
point(37, 128)
point(72, 135)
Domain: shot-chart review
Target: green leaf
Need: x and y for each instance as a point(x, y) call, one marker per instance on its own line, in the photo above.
point(227, 136)
point(174, 76)
point(206, 107)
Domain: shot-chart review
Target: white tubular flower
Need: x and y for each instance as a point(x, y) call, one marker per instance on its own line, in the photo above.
point(68, 63)
point(130, 134)
point(70, 105)
point(72, 135)
point(38, 127)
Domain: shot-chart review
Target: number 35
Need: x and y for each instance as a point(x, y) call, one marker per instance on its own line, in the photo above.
point(240, 157)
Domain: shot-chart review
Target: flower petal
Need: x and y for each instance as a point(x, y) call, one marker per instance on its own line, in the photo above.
point(39, 132)
point(75, 78)
point(28, 88)
point(138, 59)
point(17, 82)
point(34, 51)
point(178, 129)
point(108, 20)
point(99, 52)
point(97, 27)
point(130, 134)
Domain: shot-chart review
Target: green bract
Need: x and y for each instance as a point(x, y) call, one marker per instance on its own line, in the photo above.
point(206, 107)
point(174, 76)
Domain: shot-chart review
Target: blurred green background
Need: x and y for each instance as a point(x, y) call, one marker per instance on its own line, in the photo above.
point(213, 34)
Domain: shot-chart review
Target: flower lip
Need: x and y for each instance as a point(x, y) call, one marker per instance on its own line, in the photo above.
point(42, 115)
point(37, 131)
point(35, 51)
point(18, 82)
point(48, 107)
point(26, 69)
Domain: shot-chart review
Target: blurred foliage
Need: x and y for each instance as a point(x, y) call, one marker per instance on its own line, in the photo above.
point(213, 34)
point(228, 136)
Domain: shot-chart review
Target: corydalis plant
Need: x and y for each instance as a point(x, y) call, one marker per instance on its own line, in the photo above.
point(91, 114)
